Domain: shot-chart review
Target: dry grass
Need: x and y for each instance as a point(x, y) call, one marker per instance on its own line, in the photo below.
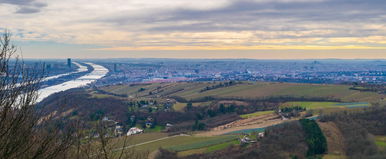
point(192, 90)
point(267, 89)
point(334, 140)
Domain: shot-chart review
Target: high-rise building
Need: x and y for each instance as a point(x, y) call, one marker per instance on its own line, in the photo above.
point(115, 67)
point(48, 67)
point(69, 62)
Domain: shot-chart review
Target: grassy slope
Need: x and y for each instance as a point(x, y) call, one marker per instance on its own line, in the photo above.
point(265, 89)
point(255, 114)
point(334, 140)
point(323, 105)
point(180, 106)
point(136, 139)
point(204, 143)
point(178, 143)
point(209, 149)
point(380, 141)
point(245, 90)
point(191, 90)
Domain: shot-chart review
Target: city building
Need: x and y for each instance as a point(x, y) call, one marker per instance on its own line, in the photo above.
point(69, 62)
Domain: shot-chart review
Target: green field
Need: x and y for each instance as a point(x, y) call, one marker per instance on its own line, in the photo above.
point(380, 141)
point(180, 106)
point(175, 143)
point(256, 114)
point(157, 128)
point(209, 148)
point(325, 105)
point(204, 143)
point(136, 139)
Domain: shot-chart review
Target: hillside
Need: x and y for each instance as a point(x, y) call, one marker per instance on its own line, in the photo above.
point(209, 118)
point(195, 90)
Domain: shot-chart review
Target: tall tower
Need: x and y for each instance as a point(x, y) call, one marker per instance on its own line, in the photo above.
point(115, 67)
point(69, 62)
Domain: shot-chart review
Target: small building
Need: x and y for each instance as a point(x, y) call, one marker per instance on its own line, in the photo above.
point(246, 140)
point(69, 62)
point(168, 126)
point(105, 118)
point(118, 130)
point(133, 131)
point(260, 135)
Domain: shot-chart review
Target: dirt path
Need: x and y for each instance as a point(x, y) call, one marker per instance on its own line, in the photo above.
point(249, 123)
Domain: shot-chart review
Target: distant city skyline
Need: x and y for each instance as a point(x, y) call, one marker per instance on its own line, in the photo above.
point(236, 29)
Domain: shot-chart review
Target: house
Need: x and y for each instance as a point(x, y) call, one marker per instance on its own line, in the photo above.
point(168, 126)
point(260, 135)
point(246, 140)
point(118, 130)
point(134, 130)
point(105, 118)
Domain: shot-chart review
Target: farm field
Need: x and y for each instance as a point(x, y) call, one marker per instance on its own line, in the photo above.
point(209, 149)
point(205, 143)
point(266, 89)
point(380, 141)
point(180, 106)
point(257, 123)
point(255, 114)
point(193, 90)
point(325, 105)
point(250, 112)
point(185, 143)
point(136, 139)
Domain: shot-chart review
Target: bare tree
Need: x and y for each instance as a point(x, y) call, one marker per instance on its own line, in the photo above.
point(23, 133)
point(100, 144)
point(30, 132)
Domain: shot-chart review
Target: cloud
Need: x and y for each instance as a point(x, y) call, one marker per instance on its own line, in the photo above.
point(25, 6)
point(276, 15)
point(186, 24)
point(28, 10)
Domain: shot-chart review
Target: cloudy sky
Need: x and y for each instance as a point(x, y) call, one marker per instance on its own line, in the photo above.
point(261, 29)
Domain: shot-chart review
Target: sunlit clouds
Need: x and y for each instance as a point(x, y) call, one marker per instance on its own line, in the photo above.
point(140, 28)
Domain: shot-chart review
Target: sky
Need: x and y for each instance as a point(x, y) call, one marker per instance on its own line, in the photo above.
point(256, 29)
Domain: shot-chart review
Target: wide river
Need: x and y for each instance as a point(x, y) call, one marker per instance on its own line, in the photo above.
point(98, 72)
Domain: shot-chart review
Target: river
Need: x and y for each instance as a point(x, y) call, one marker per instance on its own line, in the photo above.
point(81, 68)
point(98, 72)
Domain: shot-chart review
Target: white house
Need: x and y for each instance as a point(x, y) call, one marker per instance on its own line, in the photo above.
point(134, 130)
